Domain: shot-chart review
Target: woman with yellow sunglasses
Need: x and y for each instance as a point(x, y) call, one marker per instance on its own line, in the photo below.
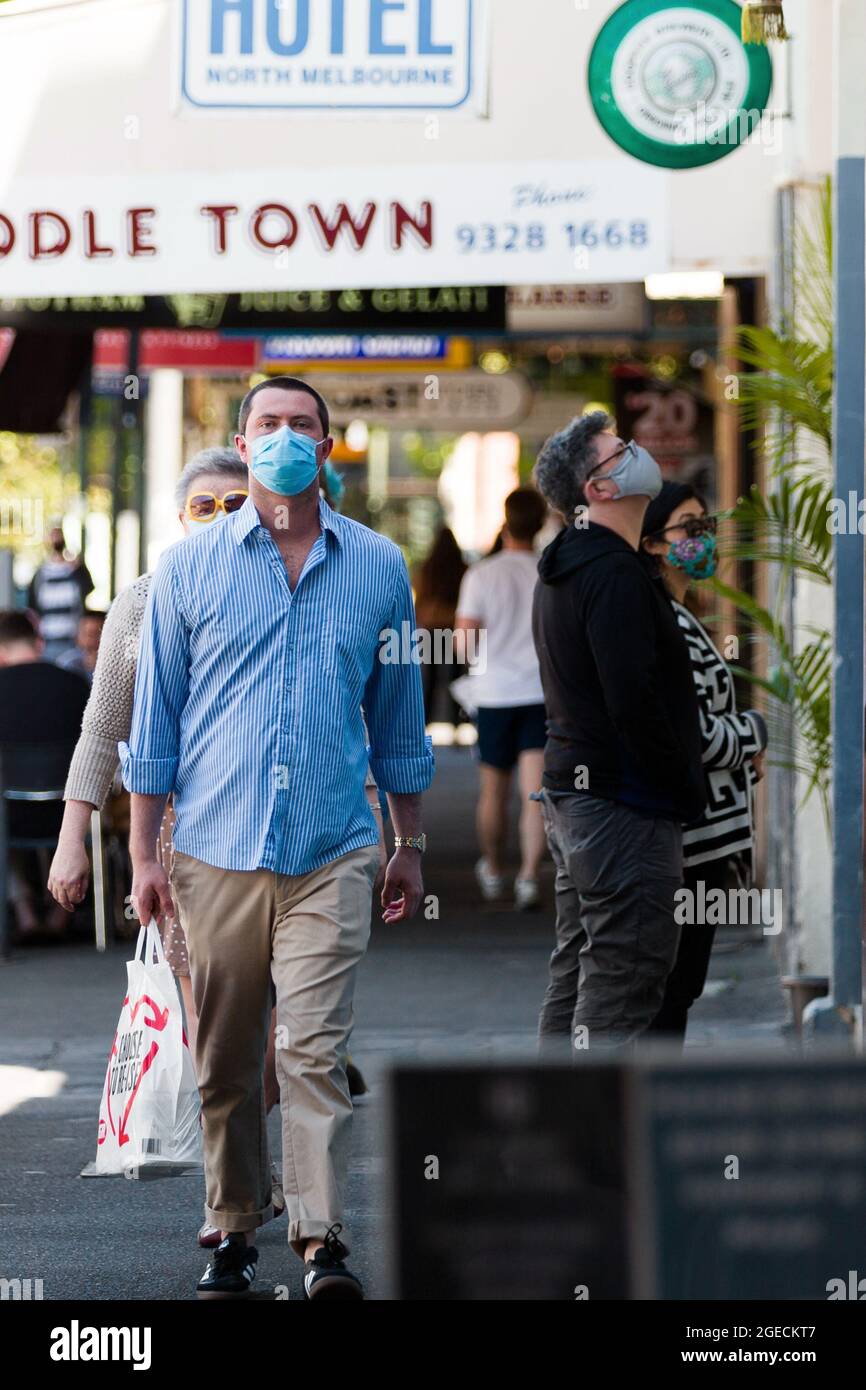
point(201, 507)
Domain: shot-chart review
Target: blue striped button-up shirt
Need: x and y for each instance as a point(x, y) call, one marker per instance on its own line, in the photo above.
point(248, 697)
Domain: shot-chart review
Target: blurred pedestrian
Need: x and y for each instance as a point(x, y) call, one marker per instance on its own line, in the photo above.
point(622, 767)
point(57, 593)
point(437, 589)
point(680, 540)
point(82, 657)
point(496, 546)
point(260, 647)
point(504, 688)
point(39, 705)
point(332, 489)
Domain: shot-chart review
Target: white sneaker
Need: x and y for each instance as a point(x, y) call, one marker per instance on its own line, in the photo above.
point(492, 885)
point(526, 895)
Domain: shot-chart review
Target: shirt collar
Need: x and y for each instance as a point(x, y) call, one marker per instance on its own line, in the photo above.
point(330, 520)
point(246, 519)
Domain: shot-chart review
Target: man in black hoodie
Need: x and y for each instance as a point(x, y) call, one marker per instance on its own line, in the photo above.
point(622, 765)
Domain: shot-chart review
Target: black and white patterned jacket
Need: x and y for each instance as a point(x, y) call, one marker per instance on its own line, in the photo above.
point(730, 741)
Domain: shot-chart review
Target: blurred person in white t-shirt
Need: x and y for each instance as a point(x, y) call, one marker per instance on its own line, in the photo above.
point(505, 690)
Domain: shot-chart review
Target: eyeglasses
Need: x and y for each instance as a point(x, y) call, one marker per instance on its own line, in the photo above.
point(204, 506)
point(622, 452)
point(694, 526)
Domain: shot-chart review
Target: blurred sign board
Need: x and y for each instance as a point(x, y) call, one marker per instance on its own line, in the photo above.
point(306, 55)
point(577, 308)
point(452, 401)
point(188, 351)
point(209, 353)
point(428, 308)
point(674, 420)
point(289, 349)
point(673, 84)
point(660, 1176)
point(218, 231)
point(509, 1183)
point(750, 1178)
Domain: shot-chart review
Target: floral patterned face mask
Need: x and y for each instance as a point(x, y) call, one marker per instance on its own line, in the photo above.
point(697, 555)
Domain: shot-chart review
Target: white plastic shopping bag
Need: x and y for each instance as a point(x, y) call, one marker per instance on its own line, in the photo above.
point(149, 1113)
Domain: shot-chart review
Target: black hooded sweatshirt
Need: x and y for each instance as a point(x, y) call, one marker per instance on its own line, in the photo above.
point(617, 678)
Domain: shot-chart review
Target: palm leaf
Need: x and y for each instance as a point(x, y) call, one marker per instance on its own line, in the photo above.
point(788, 528)
point(791, 390)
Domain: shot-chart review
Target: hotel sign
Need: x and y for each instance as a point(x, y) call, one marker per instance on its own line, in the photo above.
point(333, 55)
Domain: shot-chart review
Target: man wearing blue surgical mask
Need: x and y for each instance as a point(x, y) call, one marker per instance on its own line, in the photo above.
point(622, 765)
point(261, 658)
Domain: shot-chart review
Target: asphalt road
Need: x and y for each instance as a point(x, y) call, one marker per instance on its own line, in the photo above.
point(466, 985)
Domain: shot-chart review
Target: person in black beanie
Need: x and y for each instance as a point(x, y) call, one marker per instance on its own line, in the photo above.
point(622, 763)
point(679, 538)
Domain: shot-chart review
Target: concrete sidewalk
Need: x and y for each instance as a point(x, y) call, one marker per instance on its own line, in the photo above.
point(467, 985)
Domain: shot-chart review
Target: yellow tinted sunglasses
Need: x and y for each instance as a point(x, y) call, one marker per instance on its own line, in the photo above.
point(204, 506)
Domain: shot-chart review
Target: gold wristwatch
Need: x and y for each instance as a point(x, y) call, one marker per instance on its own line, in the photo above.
point(418, 842)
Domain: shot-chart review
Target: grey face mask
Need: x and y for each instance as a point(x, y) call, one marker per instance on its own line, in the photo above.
point(636, 474)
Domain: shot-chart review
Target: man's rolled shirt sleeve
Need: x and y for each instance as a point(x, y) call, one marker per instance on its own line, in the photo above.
point(401, 754)
point(149, 761)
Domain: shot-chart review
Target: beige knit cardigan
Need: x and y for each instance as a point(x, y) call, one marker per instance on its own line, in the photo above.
point(107, 717)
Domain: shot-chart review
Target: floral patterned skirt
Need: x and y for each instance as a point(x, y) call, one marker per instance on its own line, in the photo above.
point(172, 933)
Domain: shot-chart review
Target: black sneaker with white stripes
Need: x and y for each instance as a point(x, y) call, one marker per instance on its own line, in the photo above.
point(231, 1271)
point(325, 1275)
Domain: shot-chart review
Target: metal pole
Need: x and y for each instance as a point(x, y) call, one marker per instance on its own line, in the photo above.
point(849, 432)
point(849, 439)
point(85, 403)
point(781, 779)
point(116, 468)
point(132, 420)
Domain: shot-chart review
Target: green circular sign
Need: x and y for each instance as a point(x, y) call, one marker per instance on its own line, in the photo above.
point(673, 84)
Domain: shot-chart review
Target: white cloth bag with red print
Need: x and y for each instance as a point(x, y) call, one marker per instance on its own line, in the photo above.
point(149, 1113)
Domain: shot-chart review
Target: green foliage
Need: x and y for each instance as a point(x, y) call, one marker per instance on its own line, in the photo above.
point(787, 527)
point(788, 398)
point(32, 492)
point(790, 390)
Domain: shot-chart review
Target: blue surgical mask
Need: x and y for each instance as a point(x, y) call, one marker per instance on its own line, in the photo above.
point(284, 461)
point(192, 525)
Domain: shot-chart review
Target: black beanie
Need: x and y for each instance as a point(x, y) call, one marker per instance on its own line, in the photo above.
point(660, 510)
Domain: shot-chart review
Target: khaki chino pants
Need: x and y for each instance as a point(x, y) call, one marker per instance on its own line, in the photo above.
point(307, 933)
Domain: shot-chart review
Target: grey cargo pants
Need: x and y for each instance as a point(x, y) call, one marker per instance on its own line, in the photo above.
point(617, 871)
